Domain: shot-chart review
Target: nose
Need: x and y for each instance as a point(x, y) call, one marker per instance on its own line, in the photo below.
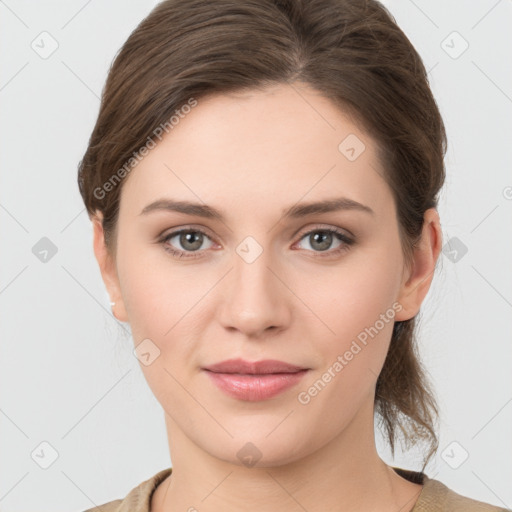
point(255, 301)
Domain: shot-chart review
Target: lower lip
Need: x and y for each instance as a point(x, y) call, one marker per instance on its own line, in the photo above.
point(255, 387)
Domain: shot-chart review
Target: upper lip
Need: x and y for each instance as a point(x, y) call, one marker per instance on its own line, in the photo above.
point(254, 368)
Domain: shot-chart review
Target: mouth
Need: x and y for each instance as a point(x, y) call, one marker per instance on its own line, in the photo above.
point(254, 381)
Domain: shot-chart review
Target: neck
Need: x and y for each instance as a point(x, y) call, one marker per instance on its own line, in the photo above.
point(345, 474)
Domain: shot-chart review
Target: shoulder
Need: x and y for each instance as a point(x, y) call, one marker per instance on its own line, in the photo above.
point(138, 499)
point(111, 506)
point(437, 497)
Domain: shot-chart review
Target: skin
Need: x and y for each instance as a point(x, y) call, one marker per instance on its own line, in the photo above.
point(250, 156)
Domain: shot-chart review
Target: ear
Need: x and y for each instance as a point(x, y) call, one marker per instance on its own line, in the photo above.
point(417, 280)
point(108, 268)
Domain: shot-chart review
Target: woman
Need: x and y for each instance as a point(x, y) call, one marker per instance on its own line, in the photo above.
point(262, 181)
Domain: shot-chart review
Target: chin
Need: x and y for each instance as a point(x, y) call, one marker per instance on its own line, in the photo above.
point(257, 450)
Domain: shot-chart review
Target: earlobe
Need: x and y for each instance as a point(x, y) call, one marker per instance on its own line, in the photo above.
point(418, 280)
point(107, 267)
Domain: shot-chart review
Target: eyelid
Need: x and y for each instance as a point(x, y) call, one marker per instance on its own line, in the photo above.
point(176, 231)
point(326, 227)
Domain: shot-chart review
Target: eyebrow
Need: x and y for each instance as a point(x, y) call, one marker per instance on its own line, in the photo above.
point(294, 212)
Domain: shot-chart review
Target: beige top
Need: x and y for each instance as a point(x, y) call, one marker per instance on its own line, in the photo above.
point(434, 496)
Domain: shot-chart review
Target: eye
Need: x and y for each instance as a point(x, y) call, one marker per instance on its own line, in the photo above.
point(322, 239)
point(185, 242)
point(190, 242)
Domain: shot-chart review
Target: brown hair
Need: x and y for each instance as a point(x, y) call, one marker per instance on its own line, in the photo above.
point(353, 53)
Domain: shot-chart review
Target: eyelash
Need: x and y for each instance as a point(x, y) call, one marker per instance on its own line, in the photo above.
point(347, 242)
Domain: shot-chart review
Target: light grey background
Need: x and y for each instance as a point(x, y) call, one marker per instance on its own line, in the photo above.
point(67, 373)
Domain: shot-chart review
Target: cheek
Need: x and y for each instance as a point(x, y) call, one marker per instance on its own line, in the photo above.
point(165, 304)
point(353, 296)
point(357, 308)
point(163, 307)
point(157, 293)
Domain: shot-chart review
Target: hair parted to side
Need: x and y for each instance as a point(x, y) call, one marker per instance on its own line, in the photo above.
point(353, 53)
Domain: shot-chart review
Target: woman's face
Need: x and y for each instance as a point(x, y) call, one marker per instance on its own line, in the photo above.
point(263, 277)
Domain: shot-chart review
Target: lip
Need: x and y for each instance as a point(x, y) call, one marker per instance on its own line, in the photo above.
point(254, 381)
point(253, 368)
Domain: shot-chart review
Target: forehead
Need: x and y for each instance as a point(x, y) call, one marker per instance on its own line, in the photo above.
point(261, 148)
